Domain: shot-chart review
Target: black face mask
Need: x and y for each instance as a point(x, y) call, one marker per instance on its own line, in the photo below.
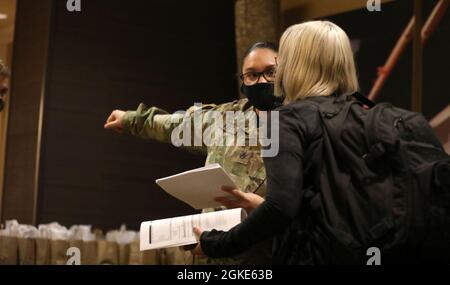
point(261, 96)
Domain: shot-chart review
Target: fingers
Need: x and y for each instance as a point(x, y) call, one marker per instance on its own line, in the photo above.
point(110, 125)
point(198, 249)
point(235, 192)
point(115, 117)
point(110, 121)
point(111, 118)
point(114, 121)
point(239, 194)
point(197, 231)
point(227, 202)
point(227, 189)
point(113, 126)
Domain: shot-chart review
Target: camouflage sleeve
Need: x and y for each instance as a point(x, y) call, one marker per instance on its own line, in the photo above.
point(157, 124)
point(149, 123)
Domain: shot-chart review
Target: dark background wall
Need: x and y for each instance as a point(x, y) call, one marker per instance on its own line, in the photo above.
point(113, 55)
point(378, 32)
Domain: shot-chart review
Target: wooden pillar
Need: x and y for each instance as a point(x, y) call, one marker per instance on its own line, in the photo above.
point(417, 77)
point(6, 43)
point(255, 20)
point(26, 103)
point(441, 125)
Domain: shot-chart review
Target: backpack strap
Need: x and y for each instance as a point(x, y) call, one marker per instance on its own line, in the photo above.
point(379, 146)
point(363, 99)
point(333, 112)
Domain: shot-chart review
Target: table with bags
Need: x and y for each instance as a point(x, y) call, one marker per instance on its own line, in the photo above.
point(48, 244)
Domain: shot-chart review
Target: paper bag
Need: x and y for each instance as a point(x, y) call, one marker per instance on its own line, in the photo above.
point(27, 251)
point(8, 250)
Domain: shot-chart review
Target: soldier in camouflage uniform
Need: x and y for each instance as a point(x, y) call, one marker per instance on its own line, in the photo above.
point(243, 163)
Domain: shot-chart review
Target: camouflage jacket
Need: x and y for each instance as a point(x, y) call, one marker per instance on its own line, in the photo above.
point(243, 163)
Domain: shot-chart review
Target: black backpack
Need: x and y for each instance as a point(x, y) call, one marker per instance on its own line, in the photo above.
point(403, 182)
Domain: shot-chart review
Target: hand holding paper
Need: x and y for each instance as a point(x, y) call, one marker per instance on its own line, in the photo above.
point(179, 231)
point(199, 187)
point(239, 199)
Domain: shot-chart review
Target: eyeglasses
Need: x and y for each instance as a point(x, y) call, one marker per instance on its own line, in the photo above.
point(252, 77)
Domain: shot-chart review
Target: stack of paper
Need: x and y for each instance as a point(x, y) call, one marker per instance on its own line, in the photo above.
point(198, 187)
point(179, 231)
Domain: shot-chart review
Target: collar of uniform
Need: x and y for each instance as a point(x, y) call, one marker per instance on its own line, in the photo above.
point(247, 106)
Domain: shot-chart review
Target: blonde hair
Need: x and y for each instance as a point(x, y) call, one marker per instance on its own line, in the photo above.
point(315, 59)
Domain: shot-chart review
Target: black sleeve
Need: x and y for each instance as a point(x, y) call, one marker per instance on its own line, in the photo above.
point(283, 199)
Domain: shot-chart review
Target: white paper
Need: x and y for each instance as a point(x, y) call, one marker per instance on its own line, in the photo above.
point(178, 231)
point(14, 229)
point(122, 236)
point(198, 187)
point(81, 232)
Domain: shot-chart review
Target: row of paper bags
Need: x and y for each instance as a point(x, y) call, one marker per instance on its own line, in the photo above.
point(49, 244)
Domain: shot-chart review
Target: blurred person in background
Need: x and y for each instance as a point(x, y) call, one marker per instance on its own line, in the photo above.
point(4, 84)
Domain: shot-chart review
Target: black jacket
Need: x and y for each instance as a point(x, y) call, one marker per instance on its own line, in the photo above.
point(321, 204)
point(293, 178)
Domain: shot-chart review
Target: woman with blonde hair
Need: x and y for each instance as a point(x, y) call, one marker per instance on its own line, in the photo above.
point(315, 59)
point(324, 204)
